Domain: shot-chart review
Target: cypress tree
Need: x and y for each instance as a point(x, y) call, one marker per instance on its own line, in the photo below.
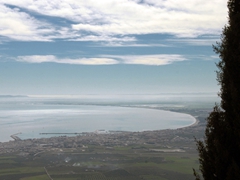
point(219, 153)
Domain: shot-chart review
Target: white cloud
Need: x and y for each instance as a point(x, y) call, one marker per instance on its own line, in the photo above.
point(215, 57)
point(107, 18)
point(104, 38)
point(130, 44)
point(203, 57)
point(153, 60)
point(53, 59)
point(20, 26)
point(196, 42)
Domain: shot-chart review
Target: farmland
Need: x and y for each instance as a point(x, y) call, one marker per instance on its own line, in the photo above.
point(99, 164)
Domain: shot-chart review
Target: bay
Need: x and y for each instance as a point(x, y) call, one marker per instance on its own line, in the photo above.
point(30, 117)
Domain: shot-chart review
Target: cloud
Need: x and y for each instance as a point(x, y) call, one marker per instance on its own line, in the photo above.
point(132, 44)
point(20, 26)
point(53, 59)
point(153, 60)
point(107, 19)
point(203, 57)
point(195, 42)
point(129, 17)
point(95, 38)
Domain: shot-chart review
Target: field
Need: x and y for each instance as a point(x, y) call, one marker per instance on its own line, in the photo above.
point(99, 163)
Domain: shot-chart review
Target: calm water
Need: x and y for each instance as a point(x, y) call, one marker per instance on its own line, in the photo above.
point(32, 116)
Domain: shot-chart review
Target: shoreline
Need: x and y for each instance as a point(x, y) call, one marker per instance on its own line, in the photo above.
point(195, 123)
point(17, 138)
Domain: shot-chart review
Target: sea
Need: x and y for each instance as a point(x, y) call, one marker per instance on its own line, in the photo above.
point(31, 117)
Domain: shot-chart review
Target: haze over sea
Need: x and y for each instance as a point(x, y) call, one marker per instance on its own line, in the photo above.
point(32, 115)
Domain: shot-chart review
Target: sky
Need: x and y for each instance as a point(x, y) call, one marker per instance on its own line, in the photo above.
point(74, 47)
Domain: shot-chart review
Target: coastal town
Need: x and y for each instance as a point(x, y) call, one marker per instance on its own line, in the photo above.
point(105, 155)
point(181, 138)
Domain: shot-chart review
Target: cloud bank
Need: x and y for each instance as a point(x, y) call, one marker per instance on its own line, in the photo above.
point(153, 60)
point(37, 20)
point(53, 59)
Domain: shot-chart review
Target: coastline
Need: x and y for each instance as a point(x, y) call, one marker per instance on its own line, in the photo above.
point(195, 123)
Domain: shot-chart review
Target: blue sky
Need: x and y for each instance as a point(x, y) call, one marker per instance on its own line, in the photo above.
point(67, 47)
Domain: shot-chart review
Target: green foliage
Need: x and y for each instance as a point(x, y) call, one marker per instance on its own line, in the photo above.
point(219, 155)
